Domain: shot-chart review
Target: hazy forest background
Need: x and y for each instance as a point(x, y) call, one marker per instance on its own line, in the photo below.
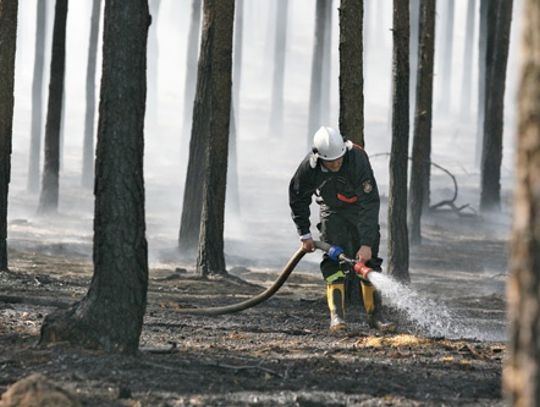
point(279, 353)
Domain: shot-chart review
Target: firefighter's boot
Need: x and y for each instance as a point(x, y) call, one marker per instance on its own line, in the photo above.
point(373, 311)
point(335, 295)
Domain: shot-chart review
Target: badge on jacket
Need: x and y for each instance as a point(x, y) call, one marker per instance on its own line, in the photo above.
point(367, 187)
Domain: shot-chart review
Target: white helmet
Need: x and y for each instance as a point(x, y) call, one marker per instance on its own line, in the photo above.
point(328, 144)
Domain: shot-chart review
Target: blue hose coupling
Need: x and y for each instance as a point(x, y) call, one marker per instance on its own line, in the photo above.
point(334, 252)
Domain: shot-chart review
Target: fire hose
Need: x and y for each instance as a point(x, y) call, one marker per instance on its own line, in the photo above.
point(334, 252)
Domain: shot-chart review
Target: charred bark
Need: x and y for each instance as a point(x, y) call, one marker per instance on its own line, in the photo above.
point(219, 16)
point(351, 76)
point(37, 98)
point(204, 110)
point(315, 95)
point(88, 148)
point(398, 239)
point(421, 151)
point(521, 376)
point(280, 46)
point(8, 36)
point(414, 10)
point(499, 30)
point(110, 316)
point(48, 199)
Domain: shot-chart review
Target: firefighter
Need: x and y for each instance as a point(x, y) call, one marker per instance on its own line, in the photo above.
point(340, 176)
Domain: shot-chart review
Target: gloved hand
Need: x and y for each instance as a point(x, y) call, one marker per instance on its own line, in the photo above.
point(364, 254)
point(308, 245)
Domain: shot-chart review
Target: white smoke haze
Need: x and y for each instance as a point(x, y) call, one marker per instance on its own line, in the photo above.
point(264, 234)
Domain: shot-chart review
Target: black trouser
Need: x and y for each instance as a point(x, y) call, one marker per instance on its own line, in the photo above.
point(339, 229)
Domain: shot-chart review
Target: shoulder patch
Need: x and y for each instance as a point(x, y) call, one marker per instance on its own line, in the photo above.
point(367, 187)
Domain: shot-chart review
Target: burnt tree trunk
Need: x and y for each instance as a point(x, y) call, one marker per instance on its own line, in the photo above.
point(48, 199)
point(499, 28)
point(482, 57)
point(466, 83)
point(191, 72)
point(521, 376)
point(8, 37)
point(37, 98)
point(398, 239)
point(421, 151)
point(110, 316)
point(280, 46)
point(351, 76)
point(233, 191)
point(219, 17)
point(88, 148)
point(203, 110)
point(315, 94)
point(446, 66)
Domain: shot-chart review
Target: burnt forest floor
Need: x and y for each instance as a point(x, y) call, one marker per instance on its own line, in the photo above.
point(278, 353)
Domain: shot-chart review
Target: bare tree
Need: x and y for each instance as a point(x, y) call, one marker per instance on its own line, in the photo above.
point(8, 37)
point(414, 10)
point(521, 376)
point(315, 95)
point(110, 316)
point(398, 239)
point(466, 83)
point(204, 111)
point(421, 152)
point(351, 76)
point(496, 62)
point(447, 57)
point(217, 45)
point(48, 199)
point(88, 148)
point(37, 97)
point(482, 72)
point(280, 46)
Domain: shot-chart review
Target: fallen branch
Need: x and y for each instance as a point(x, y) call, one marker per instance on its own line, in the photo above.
point(446, 202)
point(42, 302)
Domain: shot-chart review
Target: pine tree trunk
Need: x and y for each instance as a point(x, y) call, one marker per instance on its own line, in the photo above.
point(421, 151)
point(466, 83)
point(219, 16)
point(521, 376)
point(482, 56)
point(191, 72)
point(48, 199)
point(499, 29)
point(88, 153)
point(8, 35)
point(280, 46)
point(447, 57)
point(37, 98)
point(110, 316)
point(398, 239)
point(315, 95)
point(203, 110)
point(351, 77)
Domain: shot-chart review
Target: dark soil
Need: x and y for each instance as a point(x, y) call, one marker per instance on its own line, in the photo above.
point(278, 353)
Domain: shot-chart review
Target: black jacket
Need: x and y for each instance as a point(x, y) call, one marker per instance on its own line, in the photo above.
point(351, 192)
